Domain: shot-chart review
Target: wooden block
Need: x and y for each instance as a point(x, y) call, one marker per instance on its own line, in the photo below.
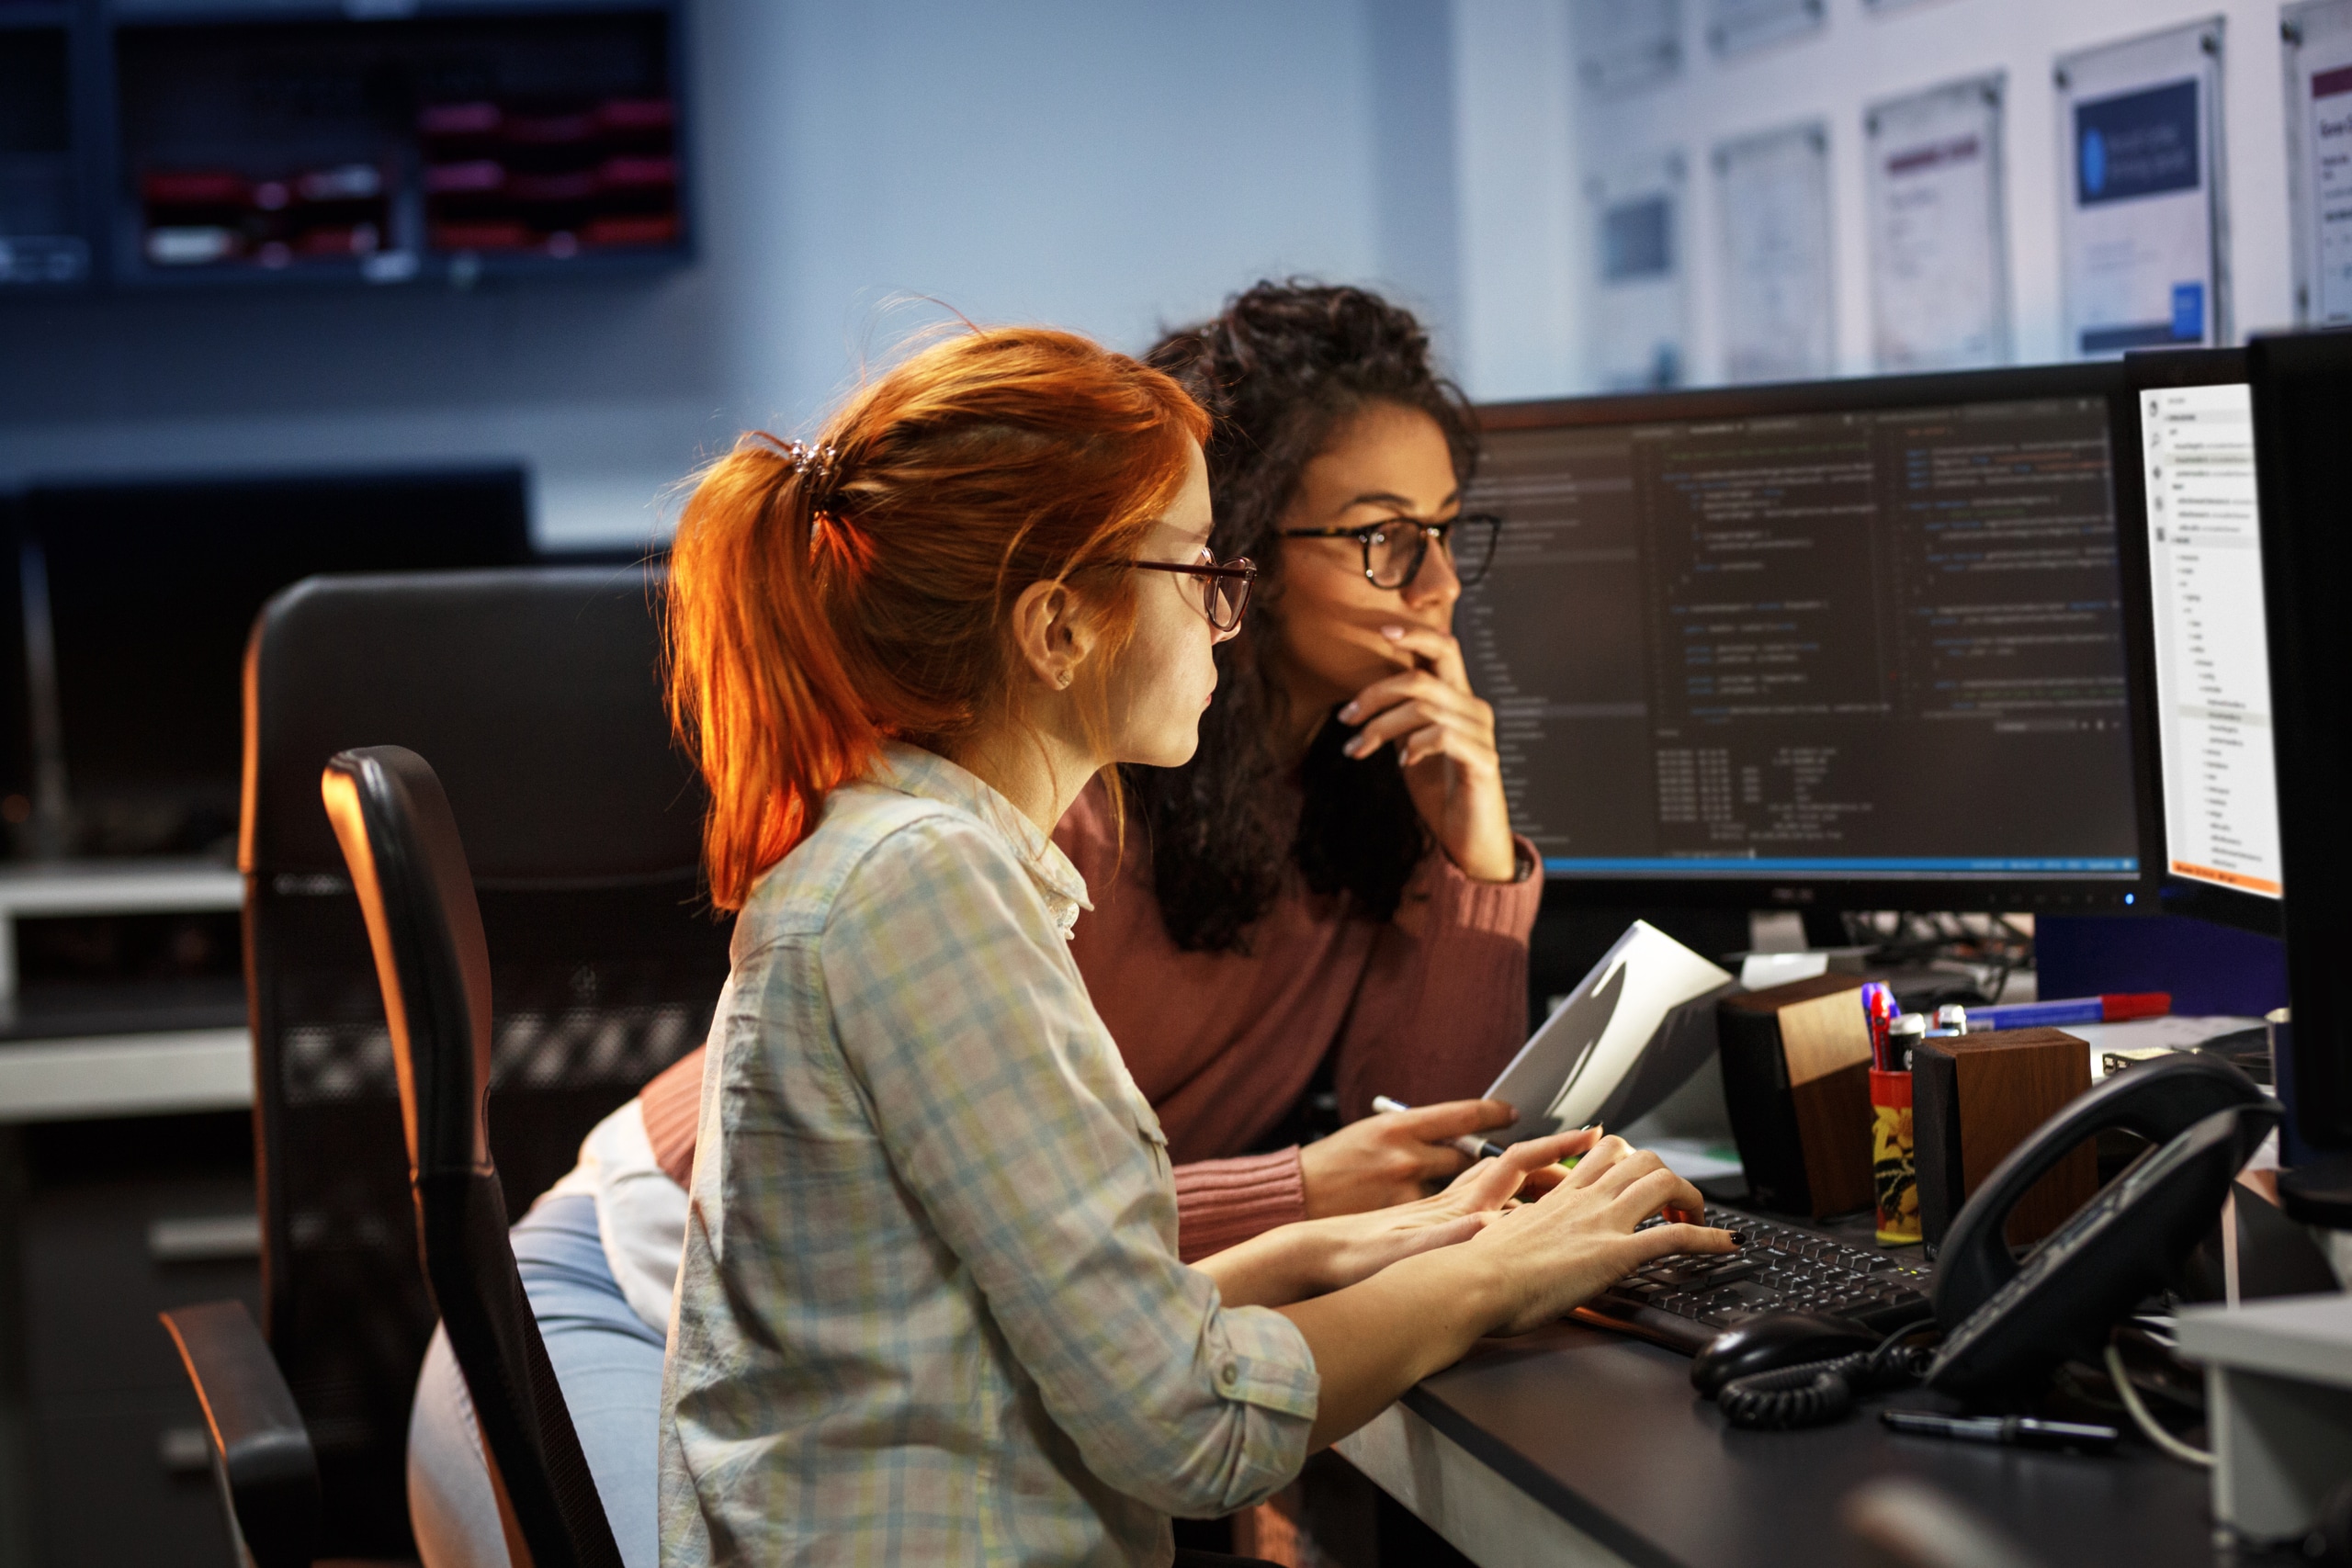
point(1977, 1097)
point(1796, 1080)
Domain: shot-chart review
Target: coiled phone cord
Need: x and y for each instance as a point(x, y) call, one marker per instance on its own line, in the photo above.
point(1817, 1393)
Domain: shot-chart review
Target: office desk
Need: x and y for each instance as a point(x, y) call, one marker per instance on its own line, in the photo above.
point(1575, 1446)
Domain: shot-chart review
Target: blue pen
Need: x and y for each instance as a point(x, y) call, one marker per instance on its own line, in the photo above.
point(2114, 1007)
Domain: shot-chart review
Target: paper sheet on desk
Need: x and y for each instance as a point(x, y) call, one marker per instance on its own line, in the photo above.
point(2173, 1033)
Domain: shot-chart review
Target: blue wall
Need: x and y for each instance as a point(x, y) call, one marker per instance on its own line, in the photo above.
point(1107, 166)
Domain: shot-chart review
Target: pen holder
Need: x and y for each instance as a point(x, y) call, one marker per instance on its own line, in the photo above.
point(1893, 1169)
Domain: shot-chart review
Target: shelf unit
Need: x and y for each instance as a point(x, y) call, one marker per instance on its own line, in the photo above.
point(45, 216)
point(174, 145)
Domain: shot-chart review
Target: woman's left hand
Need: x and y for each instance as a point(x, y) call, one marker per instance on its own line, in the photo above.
point(1356, 1247)
point(1444, 736)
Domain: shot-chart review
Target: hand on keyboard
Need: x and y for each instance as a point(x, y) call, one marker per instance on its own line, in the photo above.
point(1590, 1231)
point(1685, 1300)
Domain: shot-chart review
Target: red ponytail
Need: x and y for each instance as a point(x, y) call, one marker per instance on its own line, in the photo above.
point(823, 601)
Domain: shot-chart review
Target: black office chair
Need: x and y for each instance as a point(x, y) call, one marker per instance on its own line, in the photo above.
point(409, 868)
point(536, 693)
point(417, 895)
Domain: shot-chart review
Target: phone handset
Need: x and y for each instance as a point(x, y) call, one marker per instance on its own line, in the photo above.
point(2009, 1322)
point(2159, 1100)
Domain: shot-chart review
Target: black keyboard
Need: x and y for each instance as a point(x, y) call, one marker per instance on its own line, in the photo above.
point(1684, 1301)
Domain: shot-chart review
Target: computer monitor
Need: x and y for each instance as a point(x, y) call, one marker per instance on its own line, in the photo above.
point(2302, 411)
point(150, 589)
point(2192, 570)
point(1846, 644)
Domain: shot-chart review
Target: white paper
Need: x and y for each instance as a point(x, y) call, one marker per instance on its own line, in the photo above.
point(2141, 214)
point(2172, 1032)
point(2220, 795)
point(1762, 971)
point(1939, 294)
point(2318, 57)
point(1734, 27)
point(1624, 45)
point(1640, 294)
point(1774, 195)
point(1572, 1063)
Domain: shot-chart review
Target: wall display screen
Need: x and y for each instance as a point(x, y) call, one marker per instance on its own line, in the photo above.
point(1939, 291)
point(175, 142)
point(2141, 214)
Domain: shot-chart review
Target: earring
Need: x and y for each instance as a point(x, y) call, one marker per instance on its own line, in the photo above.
point(1064, 681)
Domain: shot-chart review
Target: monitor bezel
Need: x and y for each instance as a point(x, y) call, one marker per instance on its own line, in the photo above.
point(2144, 371)
point(2056, 894)
point(2303, 403)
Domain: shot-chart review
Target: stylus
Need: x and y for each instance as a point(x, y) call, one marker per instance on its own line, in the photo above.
point(1469, 1144)
point(2012, 1431)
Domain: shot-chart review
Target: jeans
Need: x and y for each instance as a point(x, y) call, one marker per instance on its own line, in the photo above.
point(608, 1363)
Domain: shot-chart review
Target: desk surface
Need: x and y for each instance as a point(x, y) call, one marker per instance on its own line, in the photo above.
point(1606, 1434)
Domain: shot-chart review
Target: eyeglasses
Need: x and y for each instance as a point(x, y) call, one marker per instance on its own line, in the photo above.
point(1225, 587)
point(1394, 549)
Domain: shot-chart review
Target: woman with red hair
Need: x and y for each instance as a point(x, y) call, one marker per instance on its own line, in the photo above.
point(931, 1307)
point(1324, 902)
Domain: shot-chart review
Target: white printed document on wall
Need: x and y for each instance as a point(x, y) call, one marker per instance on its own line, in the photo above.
point(1940, 254)
point(1641, 315)
point(1778, 320)
point(2318, 45)
point(1622, 49)
point(2142, 216)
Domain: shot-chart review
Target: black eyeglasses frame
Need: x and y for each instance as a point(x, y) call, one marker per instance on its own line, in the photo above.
point(1244, 569)
point(1363, 535)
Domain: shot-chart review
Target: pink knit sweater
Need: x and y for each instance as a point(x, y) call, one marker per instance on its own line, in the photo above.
point(1428, 1006)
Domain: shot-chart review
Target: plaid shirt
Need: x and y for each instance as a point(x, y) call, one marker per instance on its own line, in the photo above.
point(930, 1310)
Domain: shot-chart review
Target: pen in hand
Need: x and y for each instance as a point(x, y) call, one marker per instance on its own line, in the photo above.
point(1469, 1144)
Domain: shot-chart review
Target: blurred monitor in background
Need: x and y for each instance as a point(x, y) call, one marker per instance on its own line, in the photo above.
point(146, 592)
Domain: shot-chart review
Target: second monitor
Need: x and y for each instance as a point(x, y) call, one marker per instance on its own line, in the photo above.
point(1859, 641)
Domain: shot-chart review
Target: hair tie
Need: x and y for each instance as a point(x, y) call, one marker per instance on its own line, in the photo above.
point(807, 459)
point(813, 465)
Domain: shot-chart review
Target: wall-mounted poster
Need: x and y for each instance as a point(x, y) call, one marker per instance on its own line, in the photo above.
point(2318, 49)
point(1772, 195)
point(1624, 45)
point(1641, 293)
point(1734, 27)
point(1940, 273)
point(2142, 227)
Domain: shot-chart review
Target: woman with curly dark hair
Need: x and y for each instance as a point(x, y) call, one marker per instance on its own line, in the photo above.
point(1329, 892)
point(1331, 884)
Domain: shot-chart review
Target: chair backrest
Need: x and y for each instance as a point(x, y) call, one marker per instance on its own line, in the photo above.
point(408, 868)
point(536, 694)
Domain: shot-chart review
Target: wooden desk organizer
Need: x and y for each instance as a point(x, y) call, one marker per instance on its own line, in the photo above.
point(1796, 1063)
point(1976, 1097)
